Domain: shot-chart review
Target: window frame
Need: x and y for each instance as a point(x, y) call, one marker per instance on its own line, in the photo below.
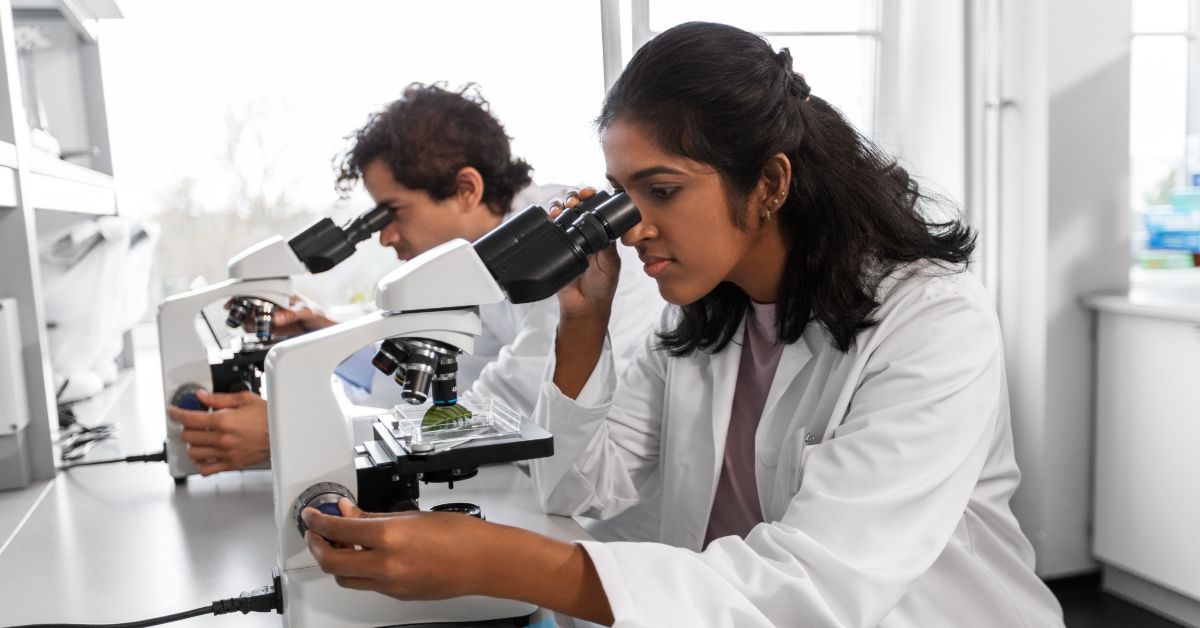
point(620, 43)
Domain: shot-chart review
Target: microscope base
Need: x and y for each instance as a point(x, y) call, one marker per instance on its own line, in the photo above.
point(312, 599)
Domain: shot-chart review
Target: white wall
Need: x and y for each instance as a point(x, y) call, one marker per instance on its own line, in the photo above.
point(1064, 233)
point(921, 87)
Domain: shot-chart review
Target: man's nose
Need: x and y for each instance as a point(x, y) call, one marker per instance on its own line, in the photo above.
point(389, 235)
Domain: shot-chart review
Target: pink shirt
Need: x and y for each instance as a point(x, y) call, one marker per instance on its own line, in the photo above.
point(736, 508)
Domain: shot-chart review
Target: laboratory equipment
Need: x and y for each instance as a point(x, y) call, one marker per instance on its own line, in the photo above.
point(260, 279)
point(429, 306)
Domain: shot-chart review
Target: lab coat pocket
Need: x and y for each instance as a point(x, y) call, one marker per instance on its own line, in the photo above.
point(789, 474)
point(802, 444)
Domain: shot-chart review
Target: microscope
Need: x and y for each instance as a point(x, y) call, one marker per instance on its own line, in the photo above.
point(428, 314)
point(260, 279)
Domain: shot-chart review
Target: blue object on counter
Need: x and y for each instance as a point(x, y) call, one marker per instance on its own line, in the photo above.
point(1169, 227)
point(1186, 199)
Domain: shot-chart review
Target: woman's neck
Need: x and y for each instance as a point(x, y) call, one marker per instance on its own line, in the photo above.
point(760, 271)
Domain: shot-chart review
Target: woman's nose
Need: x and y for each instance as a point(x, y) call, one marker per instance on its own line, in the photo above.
point(639, 232)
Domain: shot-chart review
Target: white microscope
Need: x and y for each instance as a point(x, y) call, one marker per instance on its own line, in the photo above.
point(260, 279)
point(428, 313)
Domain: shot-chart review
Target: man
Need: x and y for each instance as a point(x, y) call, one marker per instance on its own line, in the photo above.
point(442, 164)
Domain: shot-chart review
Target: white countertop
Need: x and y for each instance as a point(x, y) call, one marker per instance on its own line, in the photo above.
point(121, 543)
point(1175, 302)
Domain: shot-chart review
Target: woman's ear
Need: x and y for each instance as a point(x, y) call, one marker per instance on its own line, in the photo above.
point(775, 181)
point(468, 187)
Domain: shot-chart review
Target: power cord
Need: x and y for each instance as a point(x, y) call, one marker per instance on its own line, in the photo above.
point(77, 439)
point(158, 456)
point(261, 600)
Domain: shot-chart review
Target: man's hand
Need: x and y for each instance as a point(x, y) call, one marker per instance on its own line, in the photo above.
point(233, 436)
point(297, 318)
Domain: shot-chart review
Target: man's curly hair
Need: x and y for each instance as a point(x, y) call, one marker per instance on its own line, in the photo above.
point(427, 136)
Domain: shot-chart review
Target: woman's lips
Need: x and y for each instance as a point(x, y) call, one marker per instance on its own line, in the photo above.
point(655, 266)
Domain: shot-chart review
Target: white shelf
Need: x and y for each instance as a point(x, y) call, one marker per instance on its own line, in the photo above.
point(59, 185)
point(8, 155)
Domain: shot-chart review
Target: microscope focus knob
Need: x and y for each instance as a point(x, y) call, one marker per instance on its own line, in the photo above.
point(324, 497)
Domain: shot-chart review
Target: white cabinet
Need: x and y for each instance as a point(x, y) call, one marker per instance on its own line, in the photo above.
point(1147, 476)
point(55, 166)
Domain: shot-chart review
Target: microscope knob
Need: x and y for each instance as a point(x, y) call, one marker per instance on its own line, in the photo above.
point(324, 497)
point(185, 397)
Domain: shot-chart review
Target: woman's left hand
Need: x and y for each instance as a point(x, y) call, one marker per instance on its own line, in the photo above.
point(407, 555)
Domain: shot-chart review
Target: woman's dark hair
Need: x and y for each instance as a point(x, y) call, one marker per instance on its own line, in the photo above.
point(721, 96)
point(427, 136)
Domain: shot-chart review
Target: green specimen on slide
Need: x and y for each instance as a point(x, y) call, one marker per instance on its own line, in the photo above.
point(445, 417)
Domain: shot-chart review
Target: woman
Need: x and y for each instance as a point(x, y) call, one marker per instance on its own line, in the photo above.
point(825, 410)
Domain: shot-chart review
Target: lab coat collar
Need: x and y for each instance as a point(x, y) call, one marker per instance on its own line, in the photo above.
point(794, 358)
point(724, 368)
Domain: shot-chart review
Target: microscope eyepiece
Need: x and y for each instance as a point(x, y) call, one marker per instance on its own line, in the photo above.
point(323, 245)
point(533, 257)
point(369, 222)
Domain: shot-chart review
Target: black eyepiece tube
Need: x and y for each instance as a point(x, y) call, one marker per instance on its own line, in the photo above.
point(369, 222)
point(323, 245)
point(533, 257)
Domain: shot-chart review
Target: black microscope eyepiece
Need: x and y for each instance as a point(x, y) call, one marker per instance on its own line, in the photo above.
point(532, 257)
point(323, 245)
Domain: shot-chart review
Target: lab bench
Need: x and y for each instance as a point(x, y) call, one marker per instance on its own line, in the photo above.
point(1147, 471)
point(122, 542)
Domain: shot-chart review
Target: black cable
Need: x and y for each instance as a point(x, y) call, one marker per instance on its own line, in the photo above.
point(158, 456)
point(157, 621)
point(261, 600)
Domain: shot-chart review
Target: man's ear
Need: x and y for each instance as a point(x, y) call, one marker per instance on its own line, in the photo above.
point(468, 186)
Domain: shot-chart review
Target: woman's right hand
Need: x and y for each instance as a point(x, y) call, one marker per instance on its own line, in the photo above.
point(591, 294)
point(584, 306)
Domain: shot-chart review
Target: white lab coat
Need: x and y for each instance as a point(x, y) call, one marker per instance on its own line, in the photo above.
point(884, 475)
point(510, 352)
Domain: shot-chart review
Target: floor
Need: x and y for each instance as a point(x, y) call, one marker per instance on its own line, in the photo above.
point(1086, 606)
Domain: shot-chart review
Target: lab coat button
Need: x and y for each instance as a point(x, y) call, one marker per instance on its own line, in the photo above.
point(810, 439)
point(768, 456)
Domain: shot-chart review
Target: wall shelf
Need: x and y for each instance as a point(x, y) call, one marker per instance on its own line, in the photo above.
point(59, 185)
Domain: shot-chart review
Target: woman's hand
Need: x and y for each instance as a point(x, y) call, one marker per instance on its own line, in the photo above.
point(592, 293)
point(407, 555)
point(584, 307)
point(438, 555)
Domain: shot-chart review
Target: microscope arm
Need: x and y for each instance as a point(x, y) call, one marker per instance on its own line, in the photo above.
point(311, 441)
point(184, 357)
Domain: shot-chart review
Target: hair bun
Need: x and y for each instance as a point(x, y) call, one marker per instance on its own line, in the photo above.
point(784, 58)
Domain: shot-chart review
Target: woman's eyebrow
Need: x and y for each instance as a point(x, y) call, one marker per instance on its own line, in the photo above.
point(653, 170)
